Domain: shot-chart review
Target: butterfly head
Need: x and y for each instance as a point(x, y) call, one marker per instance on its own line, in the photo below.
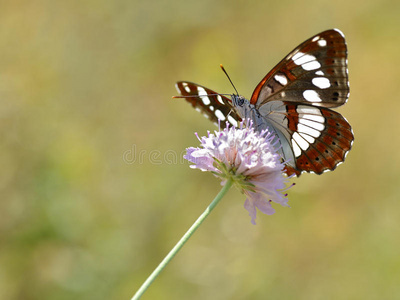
point(238, 100)
point(242, 106)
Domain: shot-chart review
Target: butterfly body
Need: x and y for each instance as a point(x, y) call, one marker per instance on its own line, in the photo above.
point(269, 120)
point(293, 101)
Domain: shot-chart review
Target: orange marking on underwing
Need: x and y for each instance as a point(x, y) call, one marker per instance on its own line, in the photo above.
point(292, 117)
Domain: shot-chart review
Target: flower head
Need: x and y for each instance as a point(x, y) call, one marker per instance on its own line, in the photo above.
point(248, 158)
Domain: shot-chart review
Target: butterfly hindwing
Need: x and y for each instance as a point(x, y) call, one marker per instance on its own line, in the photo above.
point(212, 105)
point(315, 73)
point(319, 137)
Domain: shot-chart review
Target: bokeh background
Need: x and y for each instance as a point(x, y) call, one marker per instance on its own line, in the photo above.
point(93, 188)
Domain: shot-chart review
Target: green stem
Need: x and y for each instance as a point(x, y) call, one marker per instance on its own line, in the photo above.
point(182, 241)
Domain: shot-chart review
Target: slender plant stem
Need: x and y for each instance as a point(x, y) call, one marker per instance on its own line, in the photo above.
point(182, 241)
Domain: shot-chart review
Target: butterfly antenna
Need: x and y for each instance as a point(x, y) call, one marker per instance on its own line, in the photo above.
point(223, 69)
point(198, 96)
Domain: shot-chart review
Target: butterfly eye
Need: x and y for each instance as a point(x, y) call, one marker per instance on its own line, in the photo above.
point(239, 101)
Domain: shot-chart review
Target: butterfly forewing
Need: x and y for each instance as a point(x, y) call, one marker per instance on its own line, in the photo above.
point(315, 72)
point(212, 105)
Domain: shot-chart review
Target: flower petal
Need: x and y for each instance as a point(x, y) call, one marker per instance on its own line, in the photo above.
point(251, 208)
point(257, 200)
point(265, 206)
point(201, 158)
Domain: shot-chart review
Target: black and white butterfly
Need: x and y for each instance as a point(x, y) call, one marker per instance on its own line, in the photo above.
point(293, 101)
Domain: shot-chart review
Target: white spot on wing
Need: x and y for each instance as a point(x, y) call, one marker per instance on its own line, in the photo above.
point(312, 124)
point(316, 118)
point(311, 120)
point(232, 121)
point(219, 98)
point(303, 109)
point(311, 96)
point(303, 58)
point(281, 79)
point(297, 55)
point(186, 87)
point(202, 92)
point(308, 130)
point(319, 73)
point(321, 82)
point(205, 100)
point(300, 141)
point(296, 149)
point(315, 38)
point(307, 137)
point(322, 43)
point(220, 115)
point(312, 65)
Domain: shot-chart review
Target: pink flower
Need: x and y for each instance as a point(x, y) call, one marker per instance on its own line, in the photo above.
point(248, 158)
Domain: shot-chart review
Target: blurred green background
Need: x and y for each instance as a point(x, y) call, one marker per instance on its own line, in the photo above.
point(94, 191)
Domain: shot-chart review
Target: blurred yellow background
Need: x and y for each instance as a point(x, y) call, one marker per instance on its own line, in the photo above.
point(94, 191)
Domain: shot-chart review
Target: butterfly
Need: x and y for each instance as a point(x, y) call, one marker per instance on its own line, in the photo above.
point(293, 101)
